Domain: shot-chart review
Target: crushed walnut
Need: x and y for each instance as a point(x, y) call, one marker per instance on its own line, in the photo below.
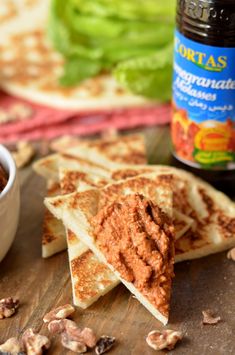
point(8, 307)
point(24, 153)
point(209, 318)
point(34, 343)
point(104, 344)
point(61, 325)
point(165, 339)
point(61, 312)
point(20, 111)
point(231, 254)
point(72, 345)
point(84, 336)
point(11, 346)
point(16, 112)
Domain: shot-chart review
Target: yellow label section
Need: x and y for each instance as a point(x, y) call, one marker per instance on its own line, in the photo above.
point(213, 139)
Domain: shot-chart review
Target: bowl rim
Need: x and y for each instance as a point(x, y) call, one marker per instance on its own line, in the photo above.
point(11, 170)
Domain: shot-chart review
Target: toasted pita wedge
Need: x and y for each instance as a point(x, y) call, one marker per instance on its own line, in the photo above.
point(90, 278)
point(87, 287)
point(53, 236)
point(101, 155)
point(68, 208)
point(129, 149)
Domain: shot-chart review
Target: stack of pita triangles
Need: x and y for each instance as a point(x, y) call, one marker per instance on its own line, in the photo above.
point(93, 183)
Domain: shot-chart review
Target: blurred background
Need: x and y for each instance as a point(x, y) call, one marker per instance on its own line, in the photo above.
point(83, 67)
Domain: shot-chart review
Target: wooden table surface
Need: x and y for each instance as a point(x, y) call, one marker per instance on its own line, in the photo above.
point(44, 284)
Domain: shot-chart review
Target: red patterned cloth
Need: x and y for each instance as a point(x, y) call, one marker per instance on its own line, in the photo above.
point(48, 123)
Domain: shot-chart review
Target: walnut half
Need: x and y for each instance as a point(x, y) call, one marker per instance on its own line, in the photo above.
point(231, 254)
point(104, 344)
point(8, 307)
point(35, 343)
point(73, 345)
point(11, 346)
point(209, 318)
point(61, 312)
point(165, 339)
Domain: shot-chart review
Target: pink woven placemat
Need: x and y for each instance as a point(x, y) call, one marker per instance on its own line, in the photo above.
point(48, 123)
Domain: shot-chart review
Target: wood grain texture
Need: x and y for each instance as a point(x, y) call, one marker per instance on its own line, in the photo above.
point(43, 284)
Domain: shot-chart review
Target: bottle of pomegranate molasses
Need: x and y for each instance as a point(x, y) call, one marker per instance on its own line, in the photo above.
point(203, 122)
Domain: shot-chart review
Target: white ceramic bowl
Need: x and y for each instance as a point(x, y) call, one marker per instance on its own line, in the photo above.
point(9, 203)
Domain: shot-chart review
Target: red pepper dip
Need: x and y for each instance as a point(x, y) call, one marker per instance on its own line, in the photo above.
point(3, 178)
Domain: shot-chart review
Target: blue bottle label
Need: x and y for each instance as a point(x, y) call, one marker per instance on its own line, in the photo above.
point(203, 122)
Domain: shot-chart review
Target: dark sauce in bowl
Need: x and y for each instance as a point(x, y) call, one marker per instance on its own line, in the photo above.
point(3, 178)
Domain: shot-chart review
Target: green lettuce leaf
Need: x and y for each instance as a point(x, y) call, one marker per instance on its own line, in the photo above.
point(78, 69)
point(125, 37)
point(149, 76)
point(127, 9)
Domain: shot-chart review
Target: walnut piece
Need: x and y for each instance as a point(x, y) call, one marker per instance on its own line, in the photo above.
point(165, 339)
point(61, 325)
point(20, 112)
point(209, 318)
point(11, 346)
point(35, 343)
point(61, 312)
point(231, 254)
point(73, 345)
point(16, 112)
point(4, 116)
point(24, 153)
point(104, 344)
point(8, 307)
point(70, 328)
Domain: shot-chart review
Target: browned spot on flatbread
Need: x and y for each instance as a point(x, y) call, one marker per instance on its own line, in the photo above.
point(47, 236)
point(8, 11)
point(53, 189)
point(128, 173)
point(58, 202)
point(71, 237)
point(226, 225)
point(142, 183)
point(134, 152)
point(83, 199)
point(191, 240)
point(83, 161)
point(179, 225)
point(71, 179)
point(132, 158)
point(208, 202)
point(86, 270)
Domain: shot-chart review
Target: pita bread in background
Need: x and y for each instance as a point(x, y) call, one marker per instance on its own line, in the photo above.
point(101, 154)
point(53, 235)
point(34, 69)
point(24, 15)
point(68, 208)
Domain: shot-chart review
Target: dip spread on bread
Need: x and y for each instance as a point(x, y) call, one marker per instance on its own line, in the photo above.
point(3, 178)
point(137, 239)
